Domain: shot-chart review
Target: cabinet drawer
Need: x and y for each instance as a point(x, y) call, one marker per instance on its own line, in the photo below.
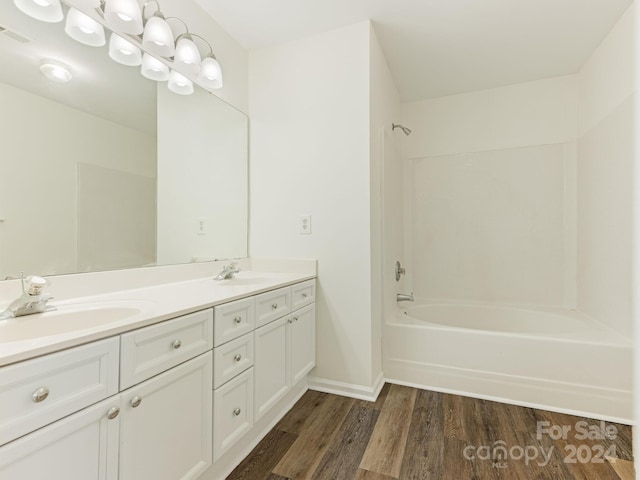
point(152, 350)
point(37, 392)
point(303, 294)
point(272, 305)
point(232, 358)
point(232, 320)
point(232, 412)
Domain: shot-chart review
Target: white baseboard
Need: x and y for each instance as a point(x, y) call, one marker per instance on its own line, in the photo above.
point(572, 399)
point(347, 389)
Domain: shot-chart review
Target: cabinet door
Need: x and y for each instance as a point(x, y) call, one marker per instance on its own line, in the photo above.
point(81, 446)
point(270, 366)
point(302, 343)
point(166, 431)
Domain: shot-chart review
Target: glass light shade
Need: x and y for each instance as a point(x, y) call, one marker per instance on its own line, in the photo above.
point(211, 74)
point(187, 56)
point(124, 52)
point(123, 15)
point(87, 4)
point(154, 69)
point(55, 71)
point(158, 37)
point(43, 10)
point(180, 84)
point(84, 29)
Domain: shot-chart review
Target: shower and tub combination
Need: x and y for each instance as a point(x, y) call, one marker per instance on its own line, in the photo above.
point(491, 249)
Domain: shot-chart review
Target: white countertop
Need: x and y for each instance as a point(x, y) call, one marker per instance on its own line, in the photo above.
point(33, 335)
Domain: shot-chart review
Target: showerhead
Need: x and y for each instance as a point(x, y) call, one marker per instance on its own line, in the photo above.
point(407, 131)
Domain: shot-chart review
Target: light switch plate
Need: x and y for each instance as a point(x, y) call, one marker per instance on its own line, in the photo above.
point(304, 224)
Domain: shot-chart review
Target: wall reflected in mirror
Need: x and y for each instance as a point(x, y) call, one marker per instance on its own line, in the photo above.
point(110, 170)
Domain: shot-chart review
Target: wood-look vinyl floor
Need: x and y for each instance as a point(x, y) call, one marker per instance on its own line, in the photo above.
point(421, 435)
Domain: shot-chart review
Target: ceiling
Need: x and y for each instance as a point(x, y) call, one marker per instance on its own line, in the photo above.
point(436, 48)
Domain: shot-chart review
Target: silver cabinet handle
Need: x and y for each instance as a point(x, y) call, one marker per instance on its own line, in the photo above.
point(135, 401)
point(237, 412)
point(237, 357)
point(274, 306)
point(113, 413)
point(295, 319)
point(40, 395)
point(176, 344)
point(304, 295)
point(237, 320)
point(290, 321)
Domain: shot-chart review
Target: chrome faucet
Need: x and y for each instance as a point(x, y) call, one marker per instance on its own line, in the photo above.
point(228, 272)
point(403, 297)
point(32, 300)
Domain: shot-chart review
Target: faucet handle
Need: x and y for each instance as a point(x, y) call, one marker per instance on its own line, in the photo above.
point(35, 284)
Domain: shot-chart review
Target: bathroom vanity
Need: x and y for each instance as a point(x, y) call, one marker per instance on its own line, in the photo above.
point(181, 390)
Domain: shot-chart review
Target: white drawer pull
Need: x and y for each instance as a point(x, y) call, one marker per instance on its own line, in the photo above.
point(274, 306)
point(113, 413)
point(176, 344)
point(135, 401)
point(304, 295)
point(237, 357)
point(237, 320)
point(237, 412)
point(40, 395)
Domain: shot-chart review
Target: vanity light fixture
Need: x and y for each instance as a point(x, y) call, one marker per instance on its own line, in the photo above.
point(157, 37)
point(180, 84)
point(154, 69)
point(84, 29)
point(43, 10)
point(123, 15)
point(210, 75)
point(124, 52)
point(187, 55)
point(56, 71)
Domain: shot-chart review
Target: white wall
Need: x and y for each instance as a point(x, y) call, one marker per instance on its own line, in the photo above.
point(310, 154)
point(384, 110)
point(492, 197)
point(605, 171)
point(39, 180)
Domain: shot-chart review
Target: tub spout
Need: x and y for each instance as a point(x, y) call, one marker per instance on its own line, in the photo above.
point(403, 297)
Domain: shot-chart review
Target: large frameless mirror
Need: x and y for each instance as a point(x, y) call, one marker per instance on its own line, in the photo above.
point(102, 168)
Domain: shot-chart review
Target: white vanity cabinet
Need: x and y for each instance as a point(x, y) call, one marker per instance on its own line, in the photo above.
point(165, 429)
point(285, 349)
point(63, 417)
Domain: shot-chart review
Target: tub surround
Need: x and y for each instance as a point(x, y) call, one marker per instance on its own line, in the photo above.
point(159, 293)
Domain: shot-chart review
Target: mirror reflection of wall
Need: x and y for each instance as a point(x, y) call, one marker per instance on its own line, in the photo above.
point(79, 186)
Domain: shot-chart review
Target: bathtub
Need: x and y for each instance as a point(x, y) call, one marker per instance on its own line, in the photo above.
point(554, 359)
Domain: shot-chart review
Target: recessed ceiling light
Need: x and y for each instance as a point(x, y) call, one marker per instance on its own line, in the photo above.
point(56, 71)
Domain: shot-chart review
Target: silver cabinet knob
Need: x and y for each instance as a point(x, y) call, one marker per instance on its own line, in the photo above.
point(176, 344)
point(113, 413)
point(135, 401)
point(237, 357)
point(289, 321)
point(237, 412)
point(274, 306)
point(295, 319)
point(304, 295)
point(237, 320)
point(40, 395)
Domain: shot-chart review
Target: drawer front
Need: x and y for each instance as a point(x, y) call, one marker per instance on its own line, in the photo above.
point(303, 294)
point(37, 392)
point(152, 350)
point(232, 320)
point(232, 358)
point(272, 305)
point(232, 412)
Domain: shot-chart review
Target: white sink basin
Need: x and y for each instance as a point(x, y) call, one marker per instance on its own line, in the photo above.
point(71, 317)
